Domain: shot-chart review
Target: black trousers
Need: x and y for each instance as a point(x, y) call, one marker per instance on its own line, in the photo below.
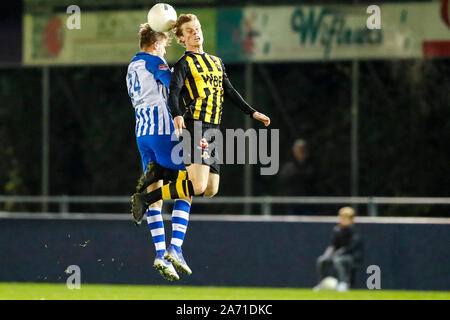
point(342, 264)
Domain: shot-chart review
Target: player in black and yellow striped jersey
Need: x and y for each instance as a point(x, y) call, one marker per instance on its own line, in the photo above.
point(199, 78)
point(198, 86)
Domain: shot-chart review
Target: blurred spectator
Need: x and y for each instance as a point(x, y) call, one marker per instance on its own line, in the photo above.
point(344, 253)
point(296, 177)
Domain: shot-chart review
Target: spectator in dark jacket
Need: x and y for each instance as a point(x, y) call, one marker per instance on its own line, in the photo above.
point(296, 177)
point(344, 253)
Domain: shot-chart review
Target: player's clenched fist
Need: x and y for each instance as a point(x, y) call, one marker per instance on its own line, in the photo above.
point(178, 123)
point(261, 117)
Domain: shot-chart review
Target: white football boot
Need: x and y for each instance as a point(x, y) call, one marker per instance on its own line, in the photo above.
point(165, 268)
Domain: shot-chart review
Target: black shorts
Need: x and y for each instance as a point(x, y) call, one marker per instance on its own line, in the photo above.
point(204, 148)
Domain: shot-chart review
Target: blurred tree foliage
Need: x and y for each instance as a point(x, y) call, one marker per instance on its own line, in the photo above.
point(403, 145)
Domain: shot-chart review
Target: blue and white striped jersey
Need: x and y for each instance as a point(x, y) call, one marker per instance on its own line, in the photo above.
point(148, 81)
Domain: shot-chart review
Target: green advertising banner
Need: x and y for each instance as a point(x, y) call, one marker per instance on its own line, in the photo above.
point(297, 33)
point(259, 34)
point(109, 37)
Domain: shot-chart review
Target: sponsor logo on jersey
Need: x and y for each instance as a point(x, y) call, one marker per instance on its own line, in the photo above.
point(205, 155)
point(212, 79)
point(163, 67)
point(203, 143)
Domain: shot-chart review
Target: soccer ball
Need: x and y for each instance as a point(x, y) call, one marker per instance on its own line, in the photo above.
point(329, 283)
point(161, 17)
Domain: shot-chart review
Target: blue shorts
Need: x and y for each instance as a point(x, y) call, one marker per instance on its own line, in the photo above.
point(158, 148)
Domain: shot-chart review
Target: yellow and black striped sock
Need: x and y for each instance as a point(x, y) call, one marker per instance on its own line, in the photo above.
point(172, 175)
point(178, 189)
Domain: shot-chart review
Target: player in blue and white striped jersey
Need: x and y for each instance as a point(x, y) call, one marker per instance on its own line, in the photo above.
point(148, 80)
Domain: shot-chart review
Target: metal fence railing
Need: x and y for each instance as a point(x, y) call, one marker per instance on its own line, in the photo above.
point(266, 202)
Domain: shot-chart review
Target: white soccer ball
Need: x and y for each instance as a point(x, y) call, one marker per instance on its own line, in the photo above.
point(329, 283)
point(161, 17)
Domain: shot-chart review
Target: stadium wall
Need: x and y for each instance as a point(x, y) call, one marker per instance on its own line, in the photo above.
point(253, 251)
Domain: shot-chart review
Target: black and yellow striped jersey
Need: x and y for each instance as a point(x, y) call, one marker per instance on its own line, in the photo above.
point(197, 87)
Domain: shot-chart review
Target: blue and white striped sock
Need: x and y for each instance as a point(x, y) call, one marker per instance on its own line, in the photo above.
point(180, 219)
point(155, 222)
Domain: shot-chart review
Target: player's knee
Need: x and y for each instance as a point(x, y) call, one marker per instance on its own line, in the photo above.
point(199, 186)
point(211, 191)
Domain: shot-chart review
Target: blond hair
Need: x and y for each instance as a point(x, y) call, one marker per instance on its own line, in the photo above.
point(182, 19)
point(147, 36)
point(346, 212)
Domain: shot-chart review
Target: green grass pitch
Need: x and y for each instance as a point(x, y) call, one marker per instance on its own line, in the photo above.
point(35, 291)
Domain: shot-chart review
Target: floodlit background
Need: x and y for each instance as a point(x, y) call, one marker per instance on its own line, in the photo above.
point(371, 107)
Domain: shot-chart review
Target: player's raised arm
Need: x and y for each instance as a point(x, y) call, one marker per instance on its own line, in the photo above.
point(159, 68)
point(237, 100)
